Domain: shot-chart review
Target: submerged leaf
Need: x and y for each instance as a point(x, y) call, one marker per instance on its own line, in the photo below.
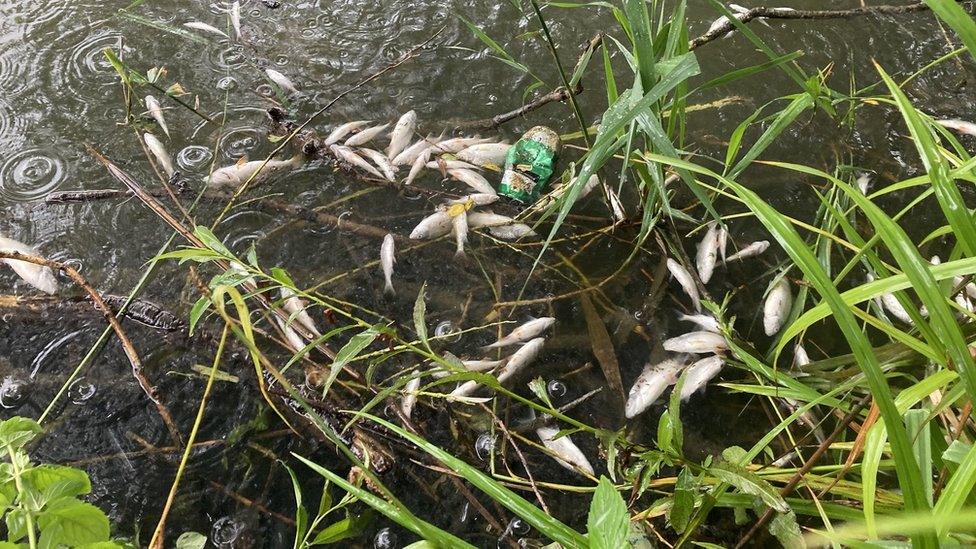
point(602, 346)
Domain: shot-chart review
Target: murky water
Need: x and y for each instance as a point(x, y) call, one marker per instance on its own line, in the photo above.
point(58, 93)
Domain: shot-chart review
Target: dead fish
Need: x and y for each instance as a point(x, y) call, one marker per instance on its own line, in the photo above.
point(706, 322)
point(699, 374)
point(157, 113)
point(200, 26)
point(409, 396)
point(343, 130)
point(159, 151)
point(297, 311)
point(476, 199)
point(477, 220)
point(473, 180)
point(458, 144)
point(893, 306)
point(38, 276)
point(862, 182)
point(524, 332)
point(248, 280)
point(386, 262)
point(350, 157)
point(281, 81)
point(409, 155)
point(365, 136)
point(723, 240)
point(687, 283)
point(650, 385)
point(961, 126)
point(566, 452)
point(777, 307)
point(451, 165)
point(751, 250)
point(460, 223)
point(242, 171)
point(235, 18)
point(514, 231)
point(418, 166)
point(739, 14)
point(616, 206)
point(707, 253)
point(483, 365)
point(486, 155)
point(520, 359)
point(401, 134)
point(433, 226)
point(294, 340)
point(800, 356)
point(697, 343)
point(382, 162)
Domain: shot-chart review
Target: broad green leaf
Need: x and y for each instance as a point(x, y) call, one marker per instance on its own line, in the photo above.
point(683, 500)
point(750, 483)
point(211, 240)
point(71, 522)
point(348, 352)
point(18, 431)
point(349, 527)
point(608, 523)
point(191, 540)
point(197, 311)
point(787, 531)
point(958, 19)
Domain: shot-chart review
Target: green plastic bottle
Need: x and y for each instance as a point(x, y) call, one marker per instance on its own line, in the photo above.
point(529, 164)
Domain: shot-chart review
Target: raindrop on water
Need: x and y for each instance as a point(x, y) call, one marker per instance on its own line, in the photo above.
point(30, 174)
point(227, 83)
point(556, 388)
point(517, 527)
point(483, 446)
point(385, 539)
point(448, 330)
point(81, 390)
point(225, 531)
point(13, 392)
point(193, 157)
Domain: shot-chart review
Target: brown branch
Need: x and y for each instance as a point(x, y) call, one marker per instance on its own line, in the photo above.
point(127, 346)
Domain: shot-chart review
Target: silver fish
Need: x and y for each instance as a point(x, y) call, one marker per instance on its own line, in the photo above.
point(777, 307)
point(381, 161)
point(483, 365)
point(699, 374)
point(433, 226)
point(157, 113)
point(365, 136)
point(159, 151)
point(566, 452)
point(961, 126)
point(401, 134)
point(696, 343)
point(248, 281)
point(343, 130)
point(514, 231)
point(465, 389)
point(524, 332)
point(488, 155)
point(707, 253)
point(294, 340)
point(687, 283)
point(458, 144)
point(460, 223)
point(409, 396)
point(751, 250)
point(863, 181)
point(293, 305)
point(451, 165)
point(281, 81)
point(409, 155)
point(723, 240)
point(476, 199)
point(616, 205)
point(706, 322)
point(38, 276)
point(235, 18)
point(800, 356)
point(418, 166)
point(236, 174)
point(478, 220)
point(520, 359)
point(717, 24)
point(350, 157)
point(473, 180)
point(895, 308)
point(650, 385)
point(386, 262)
point(200, 26)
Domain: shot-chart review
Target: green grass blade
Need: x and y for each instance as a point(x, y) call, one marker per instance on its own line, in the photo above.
point(957, 18)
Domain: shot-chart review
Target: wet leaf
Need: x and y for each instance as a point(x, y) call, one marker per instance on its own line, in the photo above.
point(684, 501)
point(419, 314)
point(191, 540)
point(18, 431)
point(749, 483)
point(602, 346)
point(346, 528)
point(348, 352)
point(786, 530)
point(196, 313)
point(608, 523)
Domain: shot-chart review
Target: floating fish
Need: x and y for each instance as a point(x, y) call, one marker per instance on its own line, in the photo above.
point(483, 365)
point(723, 240)
point(458, 144)
point(157, 113)
point(409, 155)
point(296, 310)
point(365, 136)
point(38, 276)
point(718, 23)
point(418, 166)
point(800, 356)
point(386, 262)
point(696, 343)
point(478, 220)
point(350, 157)
point(616, 206)
point(524, 332)
point(401, 134)
point(650, 385)
point(409, 396)
point(159, 151)
point(235, 18)
point(242, 171)
point(699, 374)
point(473, 180)
point(460, 229)
point(281, 81)
point(343, 130)
point(486, 155)
point(777, 307)
point(200, 26)
point(476, 199)
point(707, 253)
point(433, 226)
point(382, 162)
point(706, 322)
point(514, 231)
point(863, 181)
point(687, 283)
point(751, 250)
point(520, 359)
point(451, 165)
point(566, 452)
point(961, 126)
point(294, 340)
point(893, 306)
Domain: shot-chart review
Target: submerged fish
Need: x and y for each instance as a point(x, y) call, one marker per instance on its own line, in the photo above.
point(297, 312)
point(235, 18)
point(488, 155)
point(476, 199)
point(697, 343)
point(281, 81)
point(433, 226)
point(382, 162)
point(365, 136)
point(483, 365)
point(751, 250)
point(350, 157)
point(514, 231)
point(961, 126)
point(524, 332)
point(294, 340)
point(706, 322)
point(687, 283)
point(699, 374)
point(458, 144)
point(800, 356)
point(650, 385)
point(451, 165)
point(38, 276)
point(409, 396)
point(200, 26)
point(157, 113)
point(386, 262)
point(409, 155)
point(707, 253)
point(478, 220)
point(242, 171)
point(418, 166)
point(566, 452)
point(777, 307)
point(343, 130)
point(401, 134)
point(520, 359)
point(862, 182)
point(723, 240)
point(460, 223)
point(159, 151)
point(472, 179)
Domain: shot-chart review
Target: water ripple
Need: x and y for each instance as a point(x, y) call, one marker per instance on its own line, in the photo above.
point(31, 174)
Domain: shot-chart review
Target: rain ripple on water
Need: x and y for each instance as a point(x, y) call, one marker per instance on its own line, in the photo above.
point(31, 174)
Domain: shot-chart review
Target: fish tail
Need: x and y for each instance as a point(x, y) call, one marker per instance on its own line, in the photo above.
point(388, 289)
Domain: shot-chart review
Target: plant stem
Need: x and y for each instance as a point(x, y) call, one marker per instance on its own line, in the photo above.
point(31, 536)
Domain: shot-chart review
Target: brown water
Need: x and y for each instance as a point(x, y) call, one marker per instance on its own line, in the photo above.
point(58, 93)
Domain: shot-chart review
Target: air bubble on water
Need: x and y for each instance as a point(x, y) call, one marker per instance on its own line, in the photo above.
point(13, 392)
point(557, 388)
point(81, 390)
point(448, 330)
point(517, 527)
point(227, 83)
point(225, 532)
point(193, 158)
point(75, 264)
point(483, 446)
point(385, 539)
point(264, 90)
